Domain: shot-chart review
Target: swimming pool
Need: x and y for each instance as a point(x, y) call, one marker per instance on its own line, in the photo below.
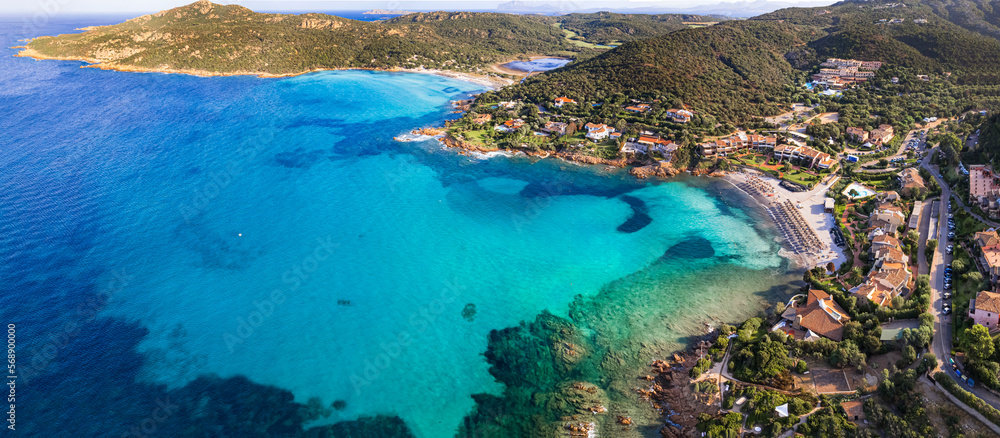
point(860, 191)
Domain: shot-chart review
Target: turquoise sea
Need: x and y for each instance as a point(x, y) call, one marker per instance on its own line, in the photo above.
point(261, 255)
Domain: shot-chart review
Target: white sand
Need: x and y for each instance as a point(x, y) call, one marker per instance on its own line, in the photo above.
point(812, 209)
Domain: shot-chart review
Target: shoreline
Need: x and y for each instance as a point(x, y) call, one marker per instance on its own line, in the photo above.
point(640, 168)
point(813, 212)
point(490, 82)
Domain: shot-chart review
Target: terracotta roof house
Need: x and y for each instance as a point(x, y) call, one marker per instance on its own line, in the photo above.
point(560, 101)
point(482, 119)
point(650, 140)
point(858, 135)
point(558, 128)
point(986, 239)
point(878, 226)
point(884, 240)
point(893, 276)
point(891, 254)
point(890, 196)
point(876, 292)
point(985, 309)
point(910, 180)
point(680, 115)
point(883, 133)
point(989, 243)
point(640, 108)
point(890, 213)
point(887, 279)
point(510, 125)
point(820, 315)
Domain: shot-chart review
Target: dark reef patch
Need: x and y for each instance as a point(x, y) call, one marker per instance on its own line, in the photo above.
point(543, 365)
point(469, 312)
point(318, 122)
point(93, 388)
point(640, 215)
point(693, 247)
point(299, 158)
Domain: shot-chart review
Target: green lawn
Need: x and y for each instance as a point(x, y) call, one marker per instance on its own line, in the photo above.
point(578, 40)
point(800, 177)
point(478, 137)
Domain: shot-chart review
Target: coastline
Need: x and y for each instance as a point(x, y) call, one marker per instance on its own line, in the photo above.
point(813, 212)
point(640, 168)
point(491, 82)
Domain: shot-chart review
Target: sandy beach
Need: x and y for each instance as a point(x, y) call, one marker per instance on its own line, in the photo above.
point(809, 205)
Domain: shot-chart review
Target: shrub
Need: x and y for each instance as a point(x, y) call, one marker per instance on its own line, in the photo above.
point(967, 397)
point(801, 367)
point(699, 368)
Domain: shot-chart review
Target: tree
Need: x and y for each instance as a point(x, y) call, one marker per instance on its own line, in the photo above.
point(929, 362)
point(847, 354)
point(779, 308)
point(958, 265)
point(975, 277)
point(980, 343)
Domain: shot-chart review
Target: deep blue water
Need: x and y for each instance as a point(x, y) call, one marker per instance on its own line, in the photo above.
point(243, 247)
point(543, 64)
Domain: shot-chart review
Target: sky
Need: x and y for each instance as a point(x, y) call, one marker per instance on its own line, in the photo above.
point(53, 7)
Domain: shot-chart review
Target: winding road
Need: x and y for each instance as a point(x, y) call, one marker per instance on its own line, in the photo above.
point(942, 341)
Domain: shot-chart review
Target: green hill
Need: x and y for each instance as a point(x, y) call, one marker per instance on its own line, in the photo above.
point(230, 38)
point(737, 70)
point(726, 70)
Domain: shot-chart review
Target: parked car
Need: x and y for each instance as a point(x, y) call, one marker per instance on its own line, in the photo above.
point(946, 295)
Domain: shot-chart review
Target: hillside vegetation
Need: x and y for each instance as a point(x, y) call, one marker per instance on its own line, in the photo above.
point(208, 37)
point(231, 38)
point(728, 69)
point(738, 70)
point(609, 27)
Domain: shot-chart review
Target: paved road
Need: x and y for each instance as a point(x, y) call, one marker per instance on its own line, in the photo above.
point(925, 163)
point(942, 341)
point(900, 153)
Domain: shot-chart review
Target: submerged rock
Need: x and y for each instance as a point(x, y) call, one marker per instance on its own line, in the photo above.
point(694, 247)
point(539, 362)
point(469, 312)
